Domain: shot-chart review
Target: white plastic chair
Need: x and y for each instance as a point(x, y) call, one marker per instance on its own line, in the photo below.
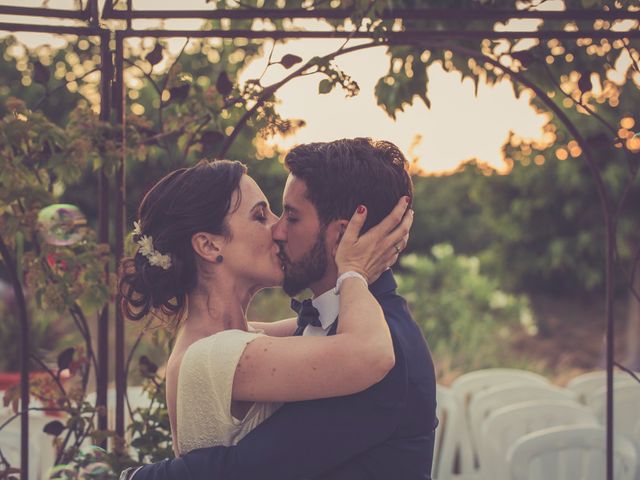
point(505, 425)
point(10, 446)
point(41, 450)
point(626, 406)
point(635, 438)
point(471, 383)
point(590, 382)
point(568, 453)
point(8, 410)
point(137, 398)
point(452, 446)
point(486, 401)
point(445, 445)
point(4, 411)
point(468, 384)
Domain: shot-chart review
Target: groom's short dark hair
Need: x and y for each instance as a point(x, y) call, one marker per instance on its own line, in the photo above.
point(343, 174)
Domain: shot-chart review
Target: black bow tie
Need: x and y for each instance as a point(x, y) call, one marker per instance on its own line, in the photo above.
point(307, 313)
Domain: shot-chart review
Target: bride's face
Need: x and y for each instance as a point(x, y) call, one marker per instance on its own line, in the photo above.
point(251, 254)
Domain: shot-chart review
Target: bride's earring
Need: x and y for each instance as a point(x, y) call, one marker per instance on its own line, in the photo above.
point(219, 259)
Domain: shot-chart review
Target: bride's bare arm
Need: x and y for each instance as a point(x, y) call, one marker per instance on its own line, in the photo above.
point(358, 356)
point(281, 328)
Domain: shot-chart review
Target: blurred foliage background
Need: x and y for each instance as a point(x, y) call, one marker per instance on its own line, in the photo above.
point(504, 268)
point(515, 256)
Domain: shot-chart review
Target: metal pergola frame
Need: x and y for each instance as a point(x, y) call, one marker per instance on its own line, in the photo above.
point(112, 69)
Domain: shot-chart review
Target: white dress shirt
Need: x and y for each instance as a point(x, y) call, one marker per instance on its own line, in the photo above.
point(328, 305)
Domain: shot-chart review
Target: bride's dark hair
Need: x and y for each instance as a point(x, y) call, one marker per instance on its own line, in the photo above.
point(184, 202)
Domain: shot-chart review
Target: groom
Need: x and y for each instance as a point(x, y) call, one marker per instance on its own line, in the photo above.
point(385, 432)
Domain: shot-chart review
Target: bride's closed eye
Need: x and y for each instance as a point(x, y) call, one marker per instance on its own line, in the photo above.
point(261, 215)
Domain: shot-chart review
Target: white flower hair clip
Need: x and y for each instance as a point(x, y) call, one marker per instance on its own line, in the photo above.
point(137, 230)
point(145, 248)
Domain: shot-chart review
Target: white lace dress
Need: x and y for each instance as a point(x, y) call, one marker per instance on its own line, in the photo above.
point(205, 381)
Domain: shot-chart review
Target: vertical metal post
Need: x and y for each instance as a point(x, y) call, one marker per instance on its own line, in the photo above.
point(107, 9)
point(23, 316)
point(120, 101)
point(93, 13)
point(24, 375)
point(102, 374)
point(129, 10)
point(610, 241)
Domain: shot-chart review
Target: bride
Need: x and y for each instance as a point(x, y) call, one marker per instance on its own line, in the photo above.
point(205, 248)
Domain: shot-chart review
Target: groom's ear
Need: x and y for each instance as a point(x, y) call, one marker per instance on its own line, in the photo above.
point(335, 230)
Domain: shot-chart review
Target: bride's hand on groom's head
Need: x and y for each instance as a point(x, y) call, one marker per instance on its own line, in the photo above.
point(378, 249)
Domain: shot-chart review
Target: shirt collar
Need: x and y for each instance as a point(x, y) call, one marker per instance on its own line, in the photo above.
point(328, 305)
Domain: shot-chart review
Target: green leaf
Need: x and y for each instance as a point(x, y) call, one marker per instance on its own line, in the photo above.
point(210, 140)
point(40, 73)
point(65, 358)
point(290, 60)
point(325, 86)
point(525, 57)
point(223, 84)
point(63, 471)
point(147, 367)
point(54, 428)
point(584, 84)
point(154, 56)
point(180, 93)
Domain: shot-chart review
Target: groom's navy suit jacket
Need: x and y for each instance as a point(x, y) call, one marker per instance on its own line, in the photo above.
point(385, 432)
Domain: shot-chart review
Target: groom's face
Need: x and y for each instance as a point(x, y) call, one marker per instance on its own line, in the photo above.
point(302, 239)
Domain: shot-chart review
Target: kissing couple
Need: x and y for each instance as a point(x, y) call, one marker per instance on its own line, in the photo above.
point(344, 390)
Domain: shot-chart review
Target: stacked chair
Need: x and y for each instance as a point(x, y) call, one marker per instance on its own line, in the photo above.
point(570, 452)
point(504, 424)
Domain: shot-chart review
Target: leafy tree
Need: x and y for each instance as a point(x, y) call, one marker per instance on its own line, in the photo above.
point(550, 238)
point(465, 316)
point(447, 211)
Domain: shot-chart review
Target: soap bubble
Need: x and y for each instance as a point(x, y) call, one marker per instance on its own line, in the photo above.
point(62, 224)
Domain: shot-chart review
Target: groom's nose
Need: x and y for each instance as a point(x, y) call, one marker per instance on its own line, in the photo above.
point(278, 232)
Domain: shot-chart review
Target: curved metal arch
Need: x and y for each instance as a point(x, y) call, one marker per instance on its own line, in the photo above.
point(91, 16)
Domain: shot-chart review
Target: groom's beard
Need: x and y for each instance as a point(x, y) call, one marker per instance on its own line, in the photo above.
point(310, 268)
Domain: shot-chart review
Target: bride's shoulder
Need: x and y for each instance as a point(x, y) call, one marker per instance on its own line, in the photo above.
point(225, 336)
point(216, 355)
point(219, 340)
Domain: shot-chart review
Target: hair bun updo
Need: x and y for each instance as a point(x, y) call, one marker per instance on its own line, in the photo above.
point(181, 204)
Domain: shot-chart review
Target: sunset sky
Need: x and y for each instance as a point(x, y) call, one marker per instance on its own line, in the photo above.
point(458, 127)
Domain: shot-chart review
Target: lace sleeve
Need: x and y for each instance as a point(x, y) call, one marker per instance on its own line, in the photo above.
point(205, 386)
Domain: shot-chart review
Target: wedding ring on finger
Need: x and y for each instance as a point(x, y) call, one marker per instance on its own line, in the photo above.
point(397, 249)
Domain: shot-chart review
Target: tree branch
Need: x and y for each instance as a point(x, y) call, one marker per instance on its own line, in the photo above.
point(270, 90)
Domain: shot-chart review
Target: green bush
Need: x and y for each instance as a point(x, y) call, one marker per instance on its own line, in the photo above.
point(89, 463)
point(150, 428)
point(466, 318)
